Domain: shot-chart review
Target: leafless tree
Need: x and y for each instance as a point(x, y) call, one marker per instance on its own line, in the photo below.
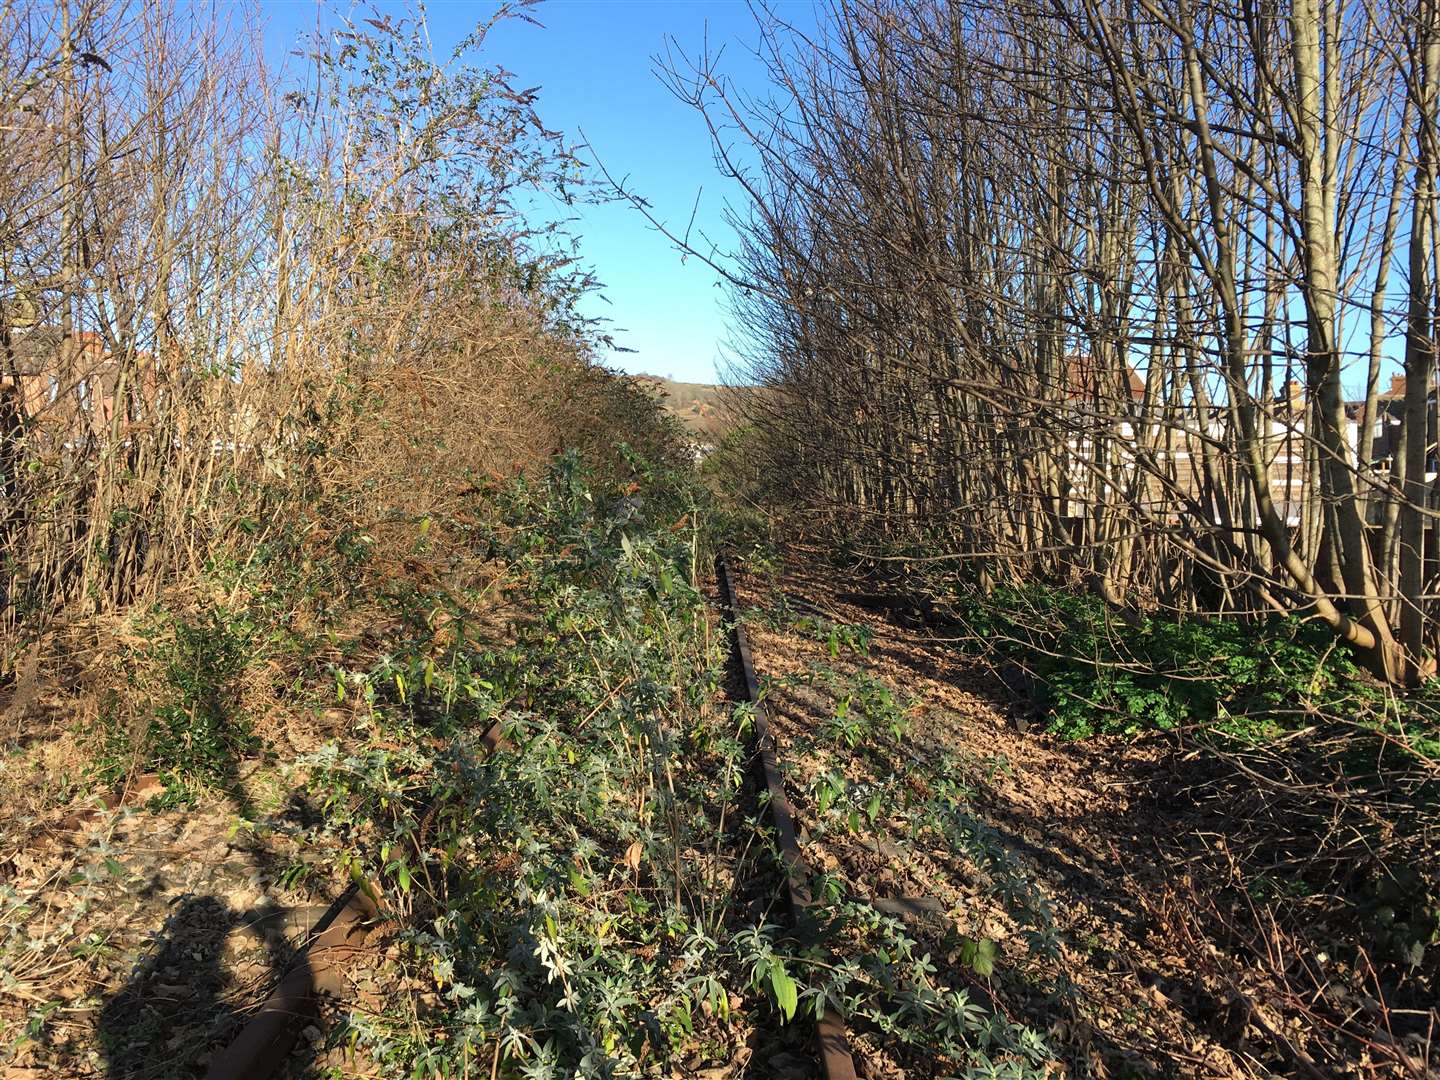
point(1073, 291)
point(230, 298)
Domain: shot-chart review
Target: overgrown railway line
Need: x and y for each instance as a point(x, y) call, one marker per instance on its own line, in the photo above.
point(346, 931)
point(946, 883)
point(832, 1043)
point(347, 936)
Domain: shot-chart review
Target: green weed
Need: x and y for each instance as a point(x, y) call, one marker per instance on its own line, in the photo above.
point(183, 717)
point(1242, 680)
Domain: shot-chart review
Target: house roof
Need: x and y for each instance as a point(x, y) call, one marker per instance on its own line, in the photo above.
point(31, 352)
point(35, 351)
point(1082, 375)
point(1388, 398)
point(1397, 387)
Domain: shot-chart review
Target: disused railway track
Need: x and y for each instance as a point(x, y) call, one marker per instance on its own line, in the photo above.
point(832, 1043)
point(344, 932)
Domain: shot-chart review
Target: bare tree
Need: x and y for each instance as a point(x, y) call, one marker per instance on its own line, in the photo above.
point(227, 298)
point(1073, 291)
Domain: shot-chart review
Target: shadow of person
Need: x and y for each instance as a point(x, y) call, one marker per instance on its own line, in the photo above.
point(162, 1021)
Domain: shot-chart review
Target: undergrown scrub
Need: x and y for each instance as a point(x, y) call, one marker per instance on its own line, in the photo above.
point(179, 713)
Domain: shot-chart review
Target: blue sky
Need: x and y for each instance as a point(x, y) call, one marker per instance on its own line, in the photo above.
point(593, 61)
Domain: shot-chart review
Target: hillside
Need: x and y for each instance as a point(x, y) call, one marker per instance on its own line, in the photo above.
point(703, 408)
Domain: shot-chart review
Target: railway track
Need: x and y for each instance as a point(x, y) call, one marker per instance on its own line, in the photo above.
point(345, 932)
point(831, 1042)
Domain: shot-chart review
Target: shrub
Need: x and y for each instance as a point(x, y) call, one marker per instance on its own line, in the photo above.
point(183, 720)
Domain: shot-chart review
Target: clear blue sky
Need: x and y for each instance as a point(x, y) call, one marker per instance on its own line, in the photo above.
point(593, 62)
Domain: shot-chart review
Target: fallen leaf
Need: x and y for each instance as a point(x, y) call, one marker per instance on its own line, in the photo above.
point(633, 855)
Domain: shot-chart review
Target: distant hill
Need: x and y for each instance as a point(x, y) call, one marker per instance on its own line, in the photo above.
point(703, 408)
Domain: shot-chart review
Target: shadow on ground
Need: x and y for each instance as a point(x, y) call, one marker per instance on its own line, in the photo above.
point(185, 1002)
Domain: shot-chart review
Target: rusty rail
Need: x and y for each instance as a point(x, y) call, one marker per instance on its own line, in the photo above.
point(832, 1044)
point(336, 939)
point(270, 1034)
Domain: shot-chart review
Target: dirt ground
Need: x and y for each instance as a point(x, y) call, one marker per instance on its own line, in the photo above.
point(138, 928)
point(135, 939)
point(1125, 865)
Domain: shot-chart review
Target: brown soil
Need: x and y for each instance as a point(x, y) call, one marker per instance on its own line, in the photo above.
point(144, 935)
point(1160, 987)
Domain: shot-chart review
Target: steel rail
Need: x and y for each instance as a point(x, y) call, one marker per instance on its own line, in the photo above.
point(832, 1043)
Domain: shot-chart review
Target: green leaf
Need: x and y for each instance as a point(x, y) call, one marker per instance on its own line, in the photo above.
point(979, 955)
point(783, 987)
point(720, 1000)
